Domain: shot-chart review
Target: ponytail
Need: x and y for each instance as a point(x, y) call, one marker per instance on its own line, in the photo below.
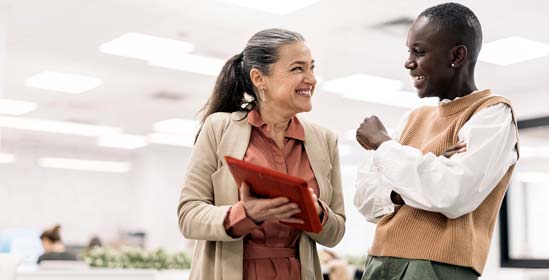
point(52, 234)
point(230, 86)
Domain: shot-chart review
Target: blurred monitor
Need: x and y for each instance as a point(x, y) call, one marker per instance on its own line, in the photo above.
point(21, 242)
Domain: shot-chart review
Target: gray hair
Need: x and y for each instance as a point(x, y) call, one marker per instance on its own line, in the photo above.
point(261, 52)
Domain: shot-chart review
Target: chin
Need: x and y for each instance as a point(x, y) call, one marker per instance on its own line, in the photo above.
point(420, 93)
point(308, 108)
point(304, 107)
point(424, 94)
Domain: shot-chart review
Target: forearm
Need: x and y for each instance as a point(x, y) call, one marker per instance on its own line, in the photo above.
point(202, 221)
point(425, 182)
point(457, 185)
point(332, 230)
point(237, 223)
point(334, 227)
point(372, 192)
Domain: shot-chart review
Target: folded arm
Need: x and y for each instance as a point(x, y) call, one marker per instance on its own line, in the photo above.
point(457, 185)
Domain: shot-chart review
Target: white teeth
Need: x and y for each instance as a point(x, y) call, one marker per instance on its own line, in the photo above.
point(304, 92)
point(417, 78)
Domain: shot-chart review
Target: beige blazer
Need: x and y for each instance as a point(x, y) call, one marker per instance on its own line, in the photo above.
point(209, 190)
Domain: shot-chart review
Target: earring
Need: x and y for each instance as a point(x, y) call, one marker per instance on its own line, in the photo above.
point(262, 94)
point(453, 65)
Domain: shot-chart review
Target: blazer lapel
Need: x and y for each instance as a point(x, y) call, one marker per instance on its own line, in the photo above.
point(234, 143)
point(236, 137)
point(318, 157)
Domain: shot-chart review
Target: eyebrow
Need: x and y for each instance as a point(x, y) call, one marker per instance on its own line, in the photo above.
point(301, 62)
point(415, 44)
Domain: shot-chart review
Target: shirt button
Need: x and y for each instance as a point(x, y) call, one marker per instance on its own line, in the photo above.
point(279, 159)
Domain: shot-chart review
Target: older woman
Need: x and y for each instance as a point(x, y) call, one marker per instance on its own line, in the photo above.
point(251, 115)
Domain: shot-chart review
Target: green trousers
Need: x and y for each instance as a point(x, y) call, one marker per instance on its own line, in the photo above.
point(389, 268)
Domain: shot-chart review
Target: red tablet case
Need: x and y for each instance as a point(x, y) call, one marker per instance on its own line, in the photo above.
point(268, 183)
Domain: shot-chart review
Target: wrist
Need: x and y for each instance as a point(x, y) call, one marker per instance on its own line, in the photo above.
point(378, 143)
point(247, 213)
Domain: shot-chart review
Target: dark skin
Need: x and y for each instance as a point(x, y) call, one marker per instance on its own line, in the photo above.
point(439, 66)
point(432, 52)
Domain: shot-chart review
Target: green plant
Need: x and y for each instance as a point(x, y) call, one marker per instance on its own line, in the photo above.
point(357, 261)
point(129, 257)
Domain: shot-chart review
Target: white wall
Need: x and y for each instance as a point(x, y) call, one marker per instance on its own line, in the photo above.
point(158, 176)
point(84, 203)
point(89, 203)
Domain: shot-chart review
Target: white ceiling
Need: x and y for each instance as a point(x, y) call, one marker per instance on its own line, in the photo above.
point(64, 35)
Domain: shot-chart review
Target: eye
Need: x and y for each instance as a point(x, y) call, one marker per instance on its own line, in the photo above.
point(297, 68)
point(312, 68)
point(419, 52)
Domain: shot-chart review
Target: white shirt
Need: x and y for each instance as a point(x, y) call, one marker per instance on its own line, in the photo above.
point(451, 186)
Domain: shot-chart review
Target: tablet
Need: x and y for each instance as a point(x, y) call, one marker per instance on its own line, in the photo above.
point(268, 183)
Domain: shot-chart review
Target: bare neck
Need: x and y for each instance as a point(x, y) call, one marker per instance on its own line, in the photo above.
point(276, 122)
point(462, 85)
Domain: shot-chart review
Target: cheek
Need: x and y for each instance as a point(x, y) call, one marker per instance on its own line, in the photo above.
point(287, 90)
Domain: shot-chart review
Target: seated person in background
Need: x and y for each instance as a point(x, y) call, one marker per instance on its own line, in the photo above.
point(54, 250)
point(95, 241)
point(337, 267)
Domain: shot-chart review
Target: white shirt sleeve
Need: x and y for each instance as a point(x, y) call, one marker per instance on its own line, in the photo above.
point(457, 185)
point(373, 192)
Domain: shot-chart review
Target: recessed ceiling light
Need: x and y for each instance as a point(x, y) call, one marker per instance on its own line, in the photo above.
point(512, 50)
point(191, 63)
point(172, 139)
point(56, 126)
point(6, 158)
point(175, 132)
point(280, 7)
point(16, 107)
point(376, 90)
point(122, 141)
point(177, 126)
point(85, 165)
point(145, 47)
point(64, 82)
point(162, 52)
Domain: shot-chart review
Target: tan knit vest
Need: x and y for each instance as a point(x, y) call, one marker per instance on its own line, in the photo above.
point(417, 234)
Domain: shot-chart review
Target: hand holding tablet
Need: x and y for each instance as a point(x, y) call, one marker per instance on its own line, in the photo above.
point(267, 183)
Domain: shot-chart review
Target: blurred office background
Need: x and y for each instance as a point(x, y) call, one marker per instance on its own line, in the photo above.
point(99, 103)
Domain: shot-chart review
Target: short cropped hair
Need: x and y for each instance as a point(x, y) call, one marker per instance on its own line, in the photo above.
point(459, 21)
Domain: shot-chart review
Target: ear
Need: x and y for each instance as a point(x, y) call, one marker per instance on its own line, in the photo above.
point(257, 78)
point(458, 55)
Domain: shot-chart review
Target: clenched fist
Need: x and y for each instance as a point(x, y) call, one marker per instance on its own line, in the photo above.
point(371, 133)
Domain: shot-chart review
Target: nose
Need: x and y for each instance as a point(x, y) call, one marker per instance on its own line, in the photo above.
point(310, 78)
point(410, 64)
